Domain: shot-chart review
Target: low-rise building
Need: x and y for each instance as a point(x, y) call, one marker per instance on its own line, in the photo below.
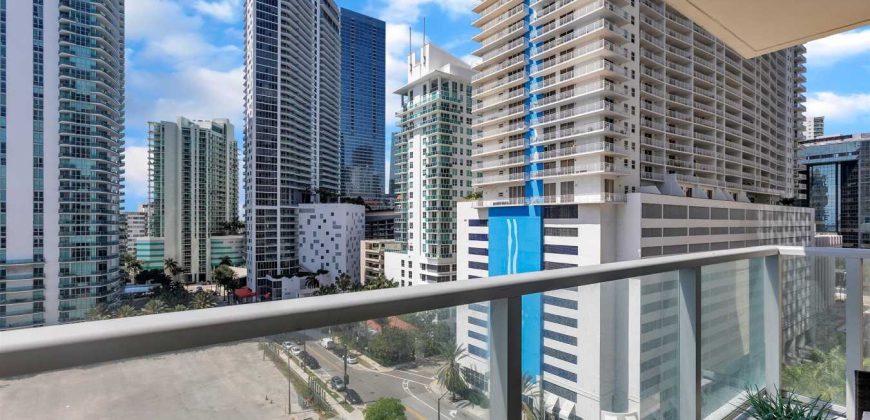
point(372, 257)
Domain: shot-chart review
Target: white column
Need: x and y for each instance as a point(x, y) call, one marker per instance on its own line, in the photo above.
point(854, 329)
point(505, 359)
point(690, 343)
point(772, 298)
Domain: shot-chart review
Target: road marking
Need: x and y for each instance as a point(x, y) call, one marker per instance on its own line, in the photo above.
point(415, 413)
point(401, 378)
point(415, 374)
point(406, 386)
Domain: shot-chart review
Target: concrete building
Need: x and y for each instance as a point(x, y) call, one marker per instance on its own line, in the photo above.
point(62, 144)
point(381, 224)
point(372, 253)
point(814, 127)
point(838, 185)
point(587, 113)
point(292, 118)
point(134, 224)
point(329, 246)
point(192, 189)
point(363, 74)
point(433, 165)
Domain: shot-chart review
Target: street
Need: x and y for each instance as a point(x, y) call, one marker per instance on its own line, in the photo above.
point(415, 387)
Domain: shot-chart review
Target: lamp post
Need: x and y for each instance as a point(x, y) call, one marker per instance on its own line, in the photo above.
point(439, 404)
point(346, 378)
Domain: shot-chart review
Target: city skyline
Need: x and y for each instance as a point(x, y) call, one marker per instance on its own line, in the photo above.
point(159, 31)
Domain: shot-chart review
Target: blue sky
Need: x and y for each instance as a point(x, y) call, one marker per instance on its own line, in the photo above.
point(184, 57)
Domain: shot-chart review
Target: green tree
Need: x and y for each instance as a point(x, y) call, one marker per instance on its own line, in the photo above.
point(344, 282)
point(380, 282)
point(385, 409)
point(327, 290)
point(154, 306)
point(226, 260)
point(392, 346)
point(450, 374)
point(226, 278)
point(179, 308)
point(153, 277)
point(124, 311)
point(531, 396)
point(311, 282)
point(202, 300)
point(99, 312)
point(171, 267)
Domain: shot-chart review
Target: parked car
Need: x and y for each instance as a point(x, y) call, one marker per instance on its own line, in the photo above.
point(352, 359)
point(308, 360)
point(339, 351)
point(353, 397)
point(327, 343)
point(295, 350)
point(337, 384)
point(286, 345)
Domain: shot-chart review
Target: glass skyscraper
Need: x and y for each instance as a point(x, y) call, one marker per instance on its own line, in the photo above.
point(362, 105)
point(838, 186)
point(63, 103)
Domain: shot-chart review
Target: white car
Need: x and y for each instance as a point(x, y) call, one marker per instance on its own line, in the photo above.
point(295, 350)
point(286, 345)
point(352, 359)
point(327, 343)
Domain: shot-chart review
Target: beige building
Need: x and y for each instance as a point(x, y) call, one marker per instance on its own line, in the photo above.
point(372, 257)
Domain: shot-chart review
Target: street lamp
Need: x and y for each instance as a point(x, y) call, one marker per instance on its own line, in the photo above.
point(346, 378)
point(439, 404)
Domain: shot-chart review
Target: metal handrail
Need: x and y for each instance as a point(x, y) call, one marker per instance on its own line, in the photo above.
point(31, 351)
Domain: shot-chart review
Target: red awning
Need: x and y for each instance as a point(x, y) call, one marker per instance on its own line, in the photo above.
point(244, 293)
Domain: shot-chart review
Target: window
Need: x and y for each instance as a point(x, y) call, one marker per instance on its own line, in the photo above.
point(478, 251)
point(559, 391)
point(560, 212)
point(562, 338)
point(561, 249)
point(674, 212)
point(477, 307)
point(477, 351)
point(478, 223)
point(561, 320)
point(549, 265)
point(561, 232)
point(478, 336)
point(561, 355)
point(560, 302)
point(562, 373)
point(478, 265)
point(478, 237)
point(651, 211)
point(478, 322)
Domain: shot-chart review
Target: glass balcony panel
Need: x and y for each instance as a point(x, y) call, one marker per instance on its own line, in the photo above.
point(396, 357)
point(814, 336)
point(732, 334)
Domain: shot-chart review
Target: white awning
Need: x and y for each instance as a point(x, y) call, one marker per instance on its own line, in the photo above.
point(566, 409)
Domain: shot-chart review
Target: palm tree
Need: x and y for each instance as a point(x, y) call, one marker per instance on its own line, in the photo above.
point(450, 375)
point(154, 306)
point(171, 267)
point(344, 282)
point(125, 311)
point(132, 267)
point(225, 278)
point(531, 393)
point(202, 300)
point(99, 312)
point(312, 282)
point(179, 308)
point(226, 260)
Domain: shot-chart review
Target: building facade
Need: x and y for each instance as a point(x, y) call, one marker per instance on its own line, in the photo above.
point(292, 118)
point(586, 112)
point(62, 142)
point(433, 166)
point(372, 253)
point(192, 189)
point(381, 224)
point(838, 186)
point(329, 238)
point(814, 127)
point(362, 105)
point(134, 225)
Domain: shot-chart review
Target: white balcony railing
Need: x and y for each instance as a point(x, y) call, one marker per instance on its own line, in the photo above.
point(771, 306)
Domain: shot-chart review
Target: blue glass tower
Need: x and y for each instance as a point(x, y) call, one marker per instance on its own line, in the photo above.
point(362, 105)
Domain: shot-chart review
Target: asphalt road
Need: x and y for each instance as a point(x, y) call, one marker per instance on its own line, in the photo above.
point(413, 386)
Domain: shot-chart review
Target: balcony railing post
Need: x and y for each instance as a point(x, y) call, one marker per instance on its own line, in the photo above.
point(505, 358)
point(690, 343)
point(854, 329)
point(772, 298)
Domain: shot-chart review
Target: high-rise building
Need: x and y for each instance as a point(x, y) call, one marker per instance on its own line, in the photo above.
point(292, 94)
point(193, 178)
point(608, 131)
point(362, 105)
point(433, 164)
point(814, 127)
point(135, 225)
point(838, 185)
point(62, 142)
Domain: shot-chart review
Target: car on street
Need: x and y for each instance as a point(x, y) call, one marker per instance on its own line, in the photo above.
point(327, 343)
point(353, 397)
point(286, 345)
point(337, 384)
point(352, 359)
point(295, 350)
point(308, 360)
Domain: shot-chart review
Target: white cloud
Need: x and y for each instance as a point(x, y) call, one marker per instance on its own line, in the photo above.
point(396, 46)
point(408, 11)
point(839, 108)
point(136, 171)
point(830, 50)
point(471, 60)
point(223, 10)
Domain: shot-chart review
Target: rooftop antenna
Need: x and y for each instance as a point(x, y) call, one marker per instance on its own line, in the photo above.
point(424, 40)
point(410, 49)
